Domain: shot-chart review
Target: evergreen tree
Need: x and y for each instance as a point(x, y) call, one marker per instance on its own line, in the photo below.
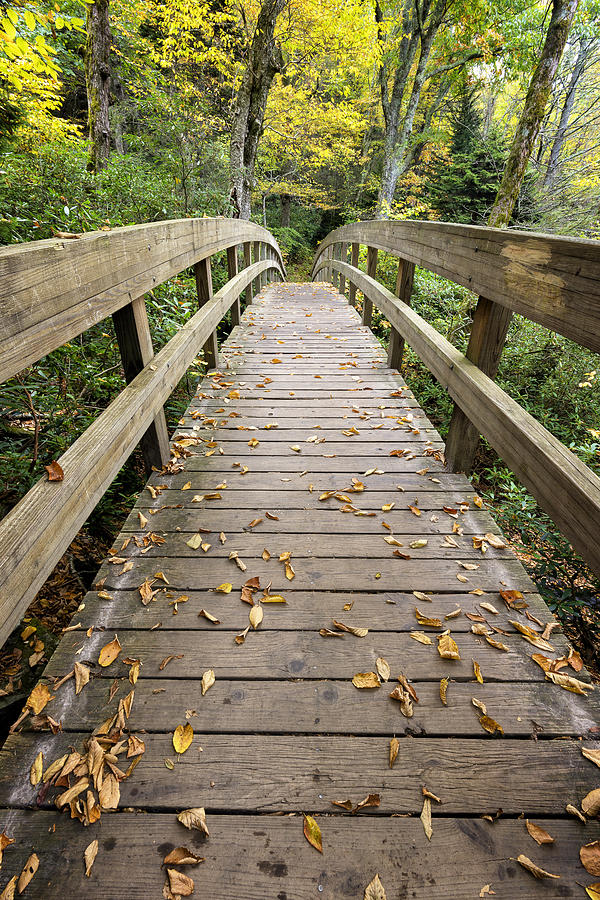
point(462, 186)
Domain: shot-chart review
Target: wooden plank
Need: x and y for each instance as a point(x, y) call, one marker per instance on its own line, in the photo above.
point(135, 344)
point(308, 772)
point(51, 291)
point(550, 279)
point(304, 610)
point(34, 534)
point(566, 488)
point(272, 858)
point(289, 654)
point(524, 710)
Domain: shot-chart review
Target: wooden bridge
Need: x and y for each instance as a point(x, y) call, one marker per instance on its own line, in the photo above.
point(310, 658)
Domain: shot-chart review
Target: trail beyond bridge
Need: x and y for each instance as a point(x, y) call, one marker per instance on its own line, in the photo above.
point(310, 634)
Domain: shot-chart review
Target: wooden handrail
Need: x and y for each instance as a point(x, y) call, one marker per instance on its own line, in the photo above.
point(51, 291)
point(563, 485)
point(551, 280)
point(35, 534)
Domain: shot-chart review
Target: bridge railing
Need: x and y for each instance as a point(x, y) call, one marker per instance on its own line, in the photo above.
point(50, 292)
point(551, 280)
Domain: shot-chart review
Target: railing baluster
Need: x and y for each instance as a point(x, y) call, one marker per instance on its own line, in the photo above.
point(344, 258)
point(135, 344)
point(249, 293)
point(404, 285)
point(335, 276)
point(372, 271)
point(354, 255)
point(204, 289)
point(232, 270)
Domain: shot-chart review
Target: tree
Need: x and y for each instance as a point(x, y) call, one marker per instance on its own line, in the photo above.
point(264, 60)
point(491, 321)
point(98, 82)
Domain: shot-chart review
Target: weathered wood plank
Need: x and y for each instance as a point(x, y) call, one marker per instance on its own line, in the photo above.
point(272, 858)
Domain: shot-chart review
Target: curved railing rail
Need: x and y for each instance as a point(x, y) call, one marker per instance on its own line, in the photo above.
point(51, 291)
point(551, 280)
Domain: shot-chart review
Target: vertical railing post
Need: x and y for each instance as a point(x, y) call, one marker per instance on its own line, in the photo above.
point(256, 282)
point(354, 255)
point(344, 258)
point(204, 290)
point(232, 270)
point(404, 285)
point(135, 344)
point(247, 261)
point(335, 277)
point(372, 271)
point(262, 253)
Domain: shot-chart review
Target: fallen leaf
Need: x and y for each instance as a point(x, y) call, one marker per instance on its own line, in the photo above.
point(82, 676)
point(592, 755)
point(38, 698)
point(55, 473)
point(477, 672)
point(593, 891)
point(266, 555)
point(256, 616)
point(241, 637)
point(535, 870)
point(444, 690)
point(427, 620)
point(572, 810)
point(167, 660)
point(224, 588)
point(374, 890)
point(208, 679)
point(539, 835)
point(181, 856)
point(312, 833)
point(194, 818)
point(426, 817)
point(447, 646)
point(485, 890)
point(497, 644)
point(109, 652)
point(591, 803)
point(183, 737)
point(180, 885)
point(490, 725)
point(29, 870)
point(394, 748)
point(351, 629)
point(383, 668)
point(366, 680)
point(421, 637)
point(89, 855)
point(206, 615)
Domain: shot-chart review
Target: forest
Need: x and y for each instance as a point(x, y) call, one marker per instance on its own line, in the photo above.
point(302, 115)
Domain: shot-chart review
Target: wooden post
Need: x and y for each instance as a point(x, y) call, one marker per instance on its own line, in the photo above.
point(404, 284)
point(372, 271)
point(486, 342)
point(335, 254)
point(204, 289)
point(344, 258)
point(232, 270)
point(247, 260)
point(354, 254)
point(135, 343)
point(256, 282)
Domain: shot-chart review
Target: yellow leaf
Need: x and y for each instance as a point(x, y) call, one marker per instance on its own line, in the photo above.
point(444, 690)
point(109, 652)
point(256, 616)
point(366, 680)
point(421, 637)
point(490, 725)
point(35, 773)
point(374, 890)
point(38, 698)
point(568, 683)
point(394, 748)
point(208, 679)
point(312, 833)
point(224, 588)
point(477, 672)
point(447, 646)
point(183, 736)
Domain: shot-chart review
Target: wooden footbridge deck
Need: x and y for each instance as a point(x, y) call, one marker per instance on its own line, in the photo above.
point(304, 471)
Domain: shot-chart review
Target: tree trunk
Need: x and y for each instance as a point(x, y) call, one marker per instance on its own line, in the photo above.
point(491, 321)
point(286, 202)
point(97, 78)
point(264, 61)
point(563, 124)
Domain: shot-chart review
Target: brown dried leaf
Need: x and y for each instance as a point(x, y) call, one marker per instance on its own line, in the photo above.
point(180, 885)
point(394, 748)
point(55, 473)
point(421, 637)
point(351, 629)
point(427, 620)
point(535, 870)
point(590, 857)
point(426, 817)
point(490, 725)
point(89, 855)
point(109, 652)
point(539, 835)
point(82, 676)
point(29, 870)
point(167, 660)
point(312, 833)
point(383, 668)
point(208, 679)
point(592, 755)
point(374, 890)
point(447, 646)
point(181, 856)
point(591, 803)
point(569, 683)
point(444, 690)
point(194, 818)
